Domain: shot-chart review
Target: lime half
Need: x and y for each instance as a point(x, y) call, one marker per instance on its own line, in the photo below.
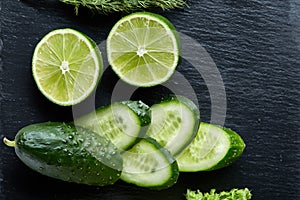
point(66, 66)
point(143, 49)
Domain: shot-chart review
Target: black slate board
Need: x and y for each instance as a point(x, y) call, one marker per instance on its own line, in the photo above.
point(256, 47)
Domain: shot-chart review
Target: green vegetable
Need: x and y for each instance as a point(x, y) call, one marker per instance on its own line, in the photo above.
point(119, 122)
point(125, 6)
point(91, 152)
point(141, 109)
point(149, 165)
point(234, 194)
point(213, 148)
point(174, 124)
point(68, 153)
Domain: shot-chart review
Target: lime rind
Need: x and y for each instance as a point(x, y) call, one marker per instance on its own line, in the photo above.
point(79, 83)
point(143, 59)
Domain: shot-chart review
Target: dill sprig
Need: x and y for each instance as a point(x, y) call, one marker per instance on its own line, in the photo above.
point(125, 6)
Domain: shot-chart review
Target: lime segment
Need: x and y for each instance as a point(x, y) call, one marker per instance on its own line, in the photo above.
point(66, 66)
point(143, 49)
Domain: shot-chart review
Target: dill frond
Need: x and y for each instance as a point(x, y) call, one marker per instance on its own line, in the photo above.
point(124, 6)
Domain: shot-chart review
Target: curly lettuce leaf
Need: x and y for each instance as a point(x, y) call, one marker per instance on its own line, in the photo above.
point(234, 194)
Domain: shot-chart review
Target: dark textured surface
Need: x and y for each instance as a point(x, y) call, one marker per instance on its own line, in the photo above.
point(256, 47)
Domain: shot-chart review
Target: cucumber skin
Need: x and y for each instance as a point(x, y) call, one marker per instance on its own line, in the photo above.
point(141, 109)
point(234, 153)
point(173, 165)
point(69, 153)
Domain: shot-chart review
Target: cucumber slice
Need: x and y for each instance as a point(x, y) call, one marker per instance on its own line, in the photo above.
point(174, 123)
point(149, 165)
point(117, 122)
point(212, 148)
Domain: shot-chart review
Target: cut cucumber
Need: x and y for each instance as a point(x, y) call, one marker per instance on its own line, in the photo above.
point(141, 109)
point(212, 148)
point(118, 122)
point(174, 123)
point(149, 165)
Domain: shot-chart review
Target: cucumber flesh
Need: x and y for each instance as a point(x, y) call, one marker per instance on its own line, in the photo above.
point(149, 165)
point(117, 122)
point(174, 123)
point(212, 148)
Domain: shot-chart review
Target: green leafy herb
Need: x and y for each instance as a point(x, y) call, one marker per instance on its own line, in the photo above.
point(110, 6)
point(234, 194)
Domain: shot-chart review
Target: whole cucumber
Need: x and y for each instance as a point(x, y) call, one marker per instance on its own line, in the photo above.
point(68, 153)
